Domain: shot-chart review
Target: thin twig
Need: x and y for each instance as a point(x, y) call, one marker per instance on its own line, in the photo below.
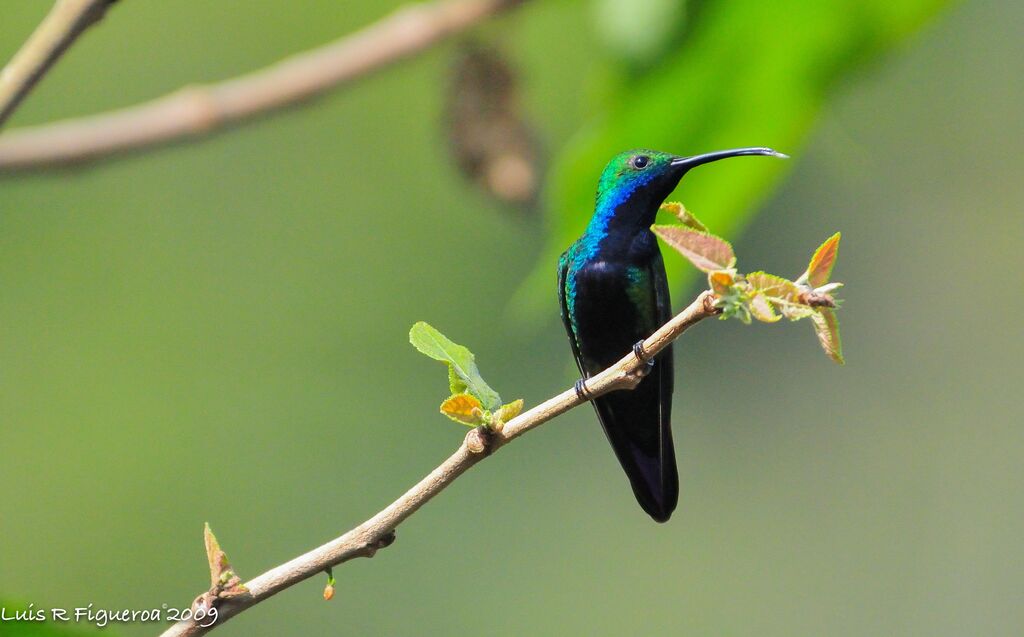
point(62, 25)
point(378, 531)
point(200, 110)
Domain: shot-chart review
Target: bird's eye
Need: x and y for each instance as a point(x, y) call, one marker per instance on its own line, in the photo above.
point(641, 161)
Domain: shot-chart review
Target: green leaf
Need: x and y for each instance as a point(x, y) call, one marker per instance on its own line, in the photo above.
point(509, 411)
point(463, 408)
point(774, 286)
point(456, 384)
point(684, 216)
point(795, 312)
point(820, 268)
point(705, 251)
point(733, 296)
point(748, 72)
point(826, 326)
point(463, 375)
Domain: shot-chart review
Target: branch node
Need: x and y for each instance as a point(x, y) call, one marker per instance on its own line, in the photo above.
point(197, 100)
point(382, 542)
point(479, 440)
point(711, 304)
point(386, 540)
point(203, 604)
point(814, 298)
point(629, 379)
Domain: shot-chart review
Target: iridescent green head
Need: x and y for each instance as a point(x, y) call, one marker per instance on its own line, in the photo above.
point(637, 175)
point(635, 183)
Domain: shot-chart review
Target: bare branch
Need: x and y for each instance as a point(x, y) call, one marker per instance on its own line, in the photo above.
point(378, 531)
point(200, 110)
point(66, 21)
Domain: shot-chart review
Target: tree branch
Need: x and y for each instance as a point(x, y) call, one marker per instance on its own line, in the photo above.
point(378, 531)
point(200, 110)
point(67, 20)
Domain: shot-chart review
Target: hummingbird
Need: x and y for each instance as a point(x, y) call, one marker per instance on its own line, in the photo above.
point(613, 294)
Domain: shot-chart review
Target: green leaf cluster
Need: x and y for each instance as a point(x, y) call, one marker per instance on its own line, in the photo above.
point(758, 295)
point(472, 401)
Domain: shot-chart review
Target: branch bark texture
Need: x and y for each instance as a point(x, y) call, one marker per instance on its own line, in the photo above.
point(378, 531)
point(200, 110)
point(59, 29)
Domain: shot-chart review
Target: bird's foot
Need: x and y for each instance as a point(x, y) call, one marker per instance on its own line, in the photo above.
point(646, 363)
point(581, 390)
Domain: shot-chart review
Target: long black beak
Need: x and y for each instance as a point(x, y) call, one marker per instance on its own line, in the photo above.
point(686, 163)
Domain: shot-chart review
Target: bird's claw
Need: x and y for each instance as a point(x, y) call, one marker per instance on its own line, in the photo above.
point(646, 364)
point(639, 352)
point(581, 390)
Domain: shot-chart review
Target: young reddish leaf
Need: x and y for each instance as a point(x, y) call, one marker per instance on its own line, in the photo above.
point(684, 216)
point(216, 558)
point(674, 208)
point(821, 264)
point(721, 282)
point(762, 309)
point(464, 408)
point(329, 589)
point(223, 579)
point(705, 251)
point(826, 326)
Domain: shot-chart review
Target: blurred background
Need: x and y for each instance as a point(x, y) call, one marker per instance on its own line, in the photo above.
point(217, 331)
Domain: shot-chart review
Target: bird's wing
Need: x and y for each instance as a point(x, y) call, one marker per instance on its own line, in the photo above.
point(664, 365)
point(637, 422)
point(662, 301)
point(563, 268)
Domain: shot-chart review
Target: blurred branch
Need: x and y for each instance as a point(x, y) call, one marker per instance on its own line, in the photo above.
point(196, 111)
point(67, 20)
point(378, 531)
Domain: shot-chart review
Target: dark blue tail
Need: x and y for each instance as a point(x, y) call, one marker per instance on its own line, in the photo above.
point(638, 424)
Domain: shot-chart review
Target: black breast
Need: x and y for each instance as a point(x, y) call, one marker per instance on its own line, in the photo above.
point(608, 319)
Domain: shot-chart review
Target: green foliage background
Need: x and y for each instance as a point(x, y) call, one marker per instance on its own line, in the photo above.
point(218, 332)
